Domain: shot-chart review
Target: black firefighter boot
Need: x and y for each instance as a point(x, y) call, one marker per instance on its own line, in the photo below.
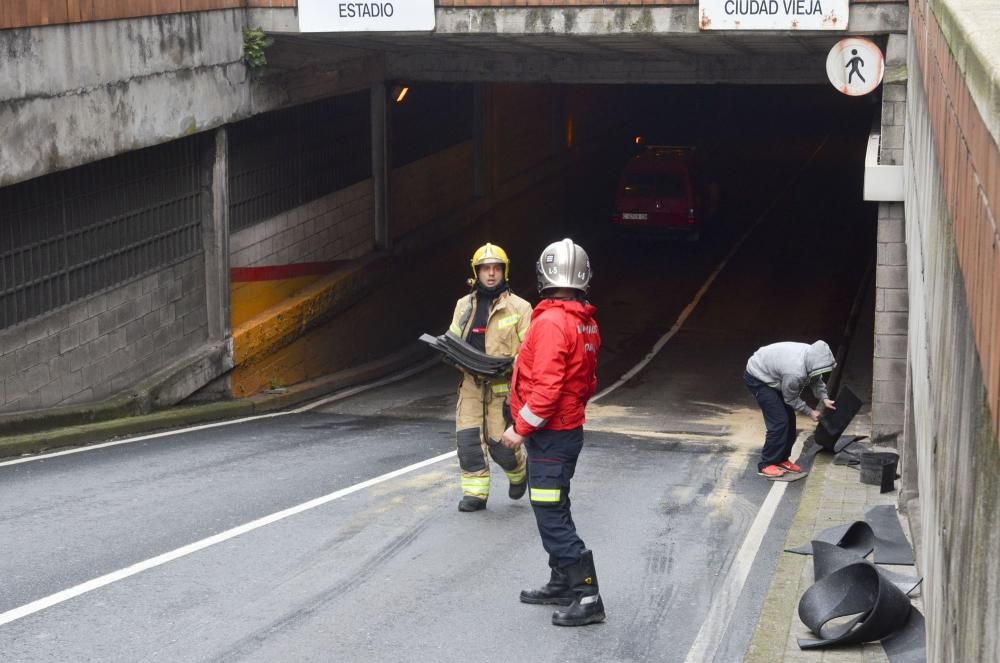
point(556, 592)
point(587, 606)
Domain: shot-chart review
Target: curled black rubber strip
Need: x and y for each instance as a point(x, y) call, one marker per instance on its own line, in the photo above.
point(856, 537)
point(879, 607)
point(828, 558)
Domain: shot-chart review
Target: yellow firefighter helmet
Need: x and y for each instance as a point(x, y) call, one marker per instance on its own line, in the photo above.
point(490, 254)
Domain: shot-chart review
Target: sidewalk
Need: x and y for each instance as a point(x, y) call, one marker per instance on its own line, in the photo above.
point(833, 495)
point(78, 425)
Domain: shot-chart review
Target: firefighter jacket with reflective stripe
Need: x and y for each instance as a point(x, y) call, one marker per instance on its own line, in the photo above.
point(505, 328)
point(555, 371)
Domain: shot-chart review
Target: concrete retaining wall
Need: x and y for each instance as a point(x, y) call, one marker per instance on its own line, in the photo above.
point(96, 347)
point(951, 453)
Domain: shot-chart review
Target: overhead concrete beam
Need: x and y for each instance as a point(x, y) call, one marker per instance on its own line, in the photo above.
point(735, 70)
point(864, 18)
point(867, 18)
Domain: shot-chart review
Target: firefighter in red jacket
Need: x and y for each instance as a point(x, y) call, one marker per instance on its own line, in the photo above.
point(554, 377)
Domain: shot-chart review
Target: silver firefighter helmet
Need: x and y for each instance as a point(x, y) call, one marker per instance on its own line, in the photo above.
point(563, 264)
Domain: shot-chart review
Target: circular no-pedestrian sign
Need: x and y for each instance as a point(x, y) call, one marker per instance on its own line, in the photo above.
point(855, 66)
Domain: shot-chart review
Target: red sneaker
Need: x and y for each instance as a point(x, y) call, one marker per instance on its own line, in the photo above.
point(790, 466)
point(771, 472)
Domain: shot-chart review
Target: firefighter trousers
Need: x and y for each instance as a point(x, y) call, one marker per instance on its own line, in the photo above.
point(480, 419)
point(552, 456)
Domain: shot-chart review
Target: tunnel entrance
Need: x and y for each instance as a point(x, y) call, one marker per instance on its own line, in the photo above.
point(783, 166)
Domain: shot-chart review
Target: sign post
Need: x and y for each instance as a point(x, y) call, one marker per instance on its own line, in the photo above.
point(855, 66)
point(370, 16)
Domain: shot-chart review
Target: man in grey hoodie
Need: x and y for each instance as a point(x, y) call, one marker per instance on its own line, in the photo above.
point(776, 375)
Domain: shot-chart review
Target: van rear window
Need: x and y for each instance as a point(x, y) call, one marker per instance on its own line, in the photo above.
point(654, 185)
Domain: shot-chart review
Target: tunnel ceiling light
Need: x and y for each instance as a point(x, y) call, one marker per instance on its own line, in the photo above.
point(400, 92)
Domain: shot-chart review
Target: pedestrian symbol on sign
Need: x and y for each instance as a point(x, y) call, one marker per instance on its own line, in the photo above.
point(853, 63)
point(855, 66)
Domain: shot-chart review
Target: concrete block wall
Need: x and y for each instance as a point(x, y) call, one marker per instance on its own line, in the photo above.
point(430, 188)
point(891, 323)
point(891, 297)
point(99, 346)
point(338, 226)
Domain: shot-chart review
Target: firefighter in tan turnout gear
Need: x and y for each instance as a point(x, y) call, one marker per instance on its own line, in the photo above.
point(493, 320)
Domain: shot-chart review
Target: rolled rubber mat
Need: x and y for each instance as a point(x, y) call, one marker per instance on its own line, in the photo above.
point(891, 546)
point(833, 423)
point(878, 607)
point(908, 645)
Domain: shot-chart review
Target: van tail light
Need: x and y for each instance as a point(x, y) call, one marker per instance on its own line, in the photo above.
point(691, 216)
point(616, 218)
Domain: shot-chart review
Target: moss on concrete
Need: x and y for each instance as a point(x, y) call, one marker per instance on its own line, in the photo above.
point(770, 637)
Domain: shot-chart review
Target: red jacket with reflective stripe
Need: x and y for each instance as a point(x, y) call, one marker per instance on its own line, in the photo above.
point(555, 370)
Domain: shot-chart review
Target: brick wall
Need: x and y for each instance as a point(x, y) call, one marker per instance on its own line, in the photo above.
point(338, 226)
point(969, 159)
point(96, 347)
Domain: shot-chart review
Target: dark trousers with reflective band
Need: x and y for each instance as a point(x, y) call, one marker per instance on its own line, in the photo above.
point(779, 418)
point(552, 458)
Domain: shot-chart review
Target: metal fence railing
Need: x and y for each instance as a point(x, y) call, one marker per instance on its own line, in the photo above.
point(281, 160)
point(74, 233)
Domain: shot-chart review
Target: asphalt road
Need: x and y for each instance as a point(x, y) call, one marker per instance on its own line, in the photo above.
point(666, 491)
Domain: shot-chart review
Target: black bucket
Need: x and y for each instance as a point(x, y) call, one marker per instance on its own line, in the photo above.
point(878, 468)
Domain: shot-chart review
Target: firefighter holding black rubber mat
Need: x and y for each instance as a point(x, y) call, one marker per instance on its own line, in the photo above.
point(494, 320)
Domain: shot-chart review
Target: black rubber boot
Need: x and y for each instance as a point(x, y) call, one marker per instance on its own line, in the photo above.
point(556, 592)
point(517, 490)
point(470, 503)
point(587, 606)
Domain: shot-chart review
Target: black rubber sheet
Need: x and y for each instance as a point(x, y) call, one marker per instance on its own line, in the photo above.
point(891, 546)
point(848, 450)
point(880, 531)
point(909, 644)
point(833, 423)
point(460, 354)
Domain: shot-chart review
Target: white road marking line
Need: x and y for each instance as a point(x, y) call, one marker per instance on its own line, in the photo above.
point(340, 395)
point(716, 624)
point(159, 560)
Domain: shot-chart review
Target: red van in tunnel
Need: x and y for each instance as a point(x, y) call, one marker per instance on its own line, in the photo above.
point(657, 194)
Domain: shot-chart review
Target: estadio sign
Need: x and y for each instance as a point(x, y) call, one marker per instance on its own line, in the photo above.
point(773, 14)
point(373, 16)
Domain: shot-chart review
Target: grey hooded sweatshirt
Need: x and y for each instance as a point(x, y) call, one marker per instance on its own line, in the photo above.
point(789, 366)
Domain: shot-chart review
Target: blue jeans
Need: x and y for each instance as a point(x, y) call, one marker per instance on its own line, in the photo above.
point(779, 418)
